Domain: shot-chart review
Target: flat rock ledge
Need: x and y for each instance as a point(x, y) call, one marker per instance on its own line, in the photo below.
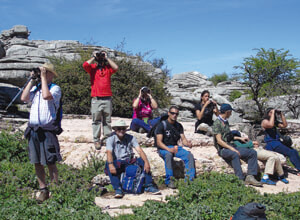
point(115, 207)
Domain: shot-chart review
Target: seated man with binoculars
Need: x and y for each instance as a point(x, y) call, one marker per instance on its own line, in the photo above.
point(101, 108)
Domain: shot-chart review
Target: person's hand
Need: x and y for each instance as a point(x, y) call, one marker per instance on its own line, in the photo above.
point(140, 94)
point(255, 144)
point(147, 167)
point(173, 150)
point(272, 111)
point(94, 54)
point(235, 150)
point(244, 139)
point(112, 169)
point(189, 144)
point(43, 71)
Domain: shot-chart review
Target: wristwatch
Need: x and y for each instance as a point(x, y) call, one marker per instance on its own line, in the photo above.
point(110, 162)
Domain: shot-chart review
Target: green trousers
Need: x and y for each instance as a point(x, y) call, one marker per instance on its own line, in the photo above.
point(101, 109)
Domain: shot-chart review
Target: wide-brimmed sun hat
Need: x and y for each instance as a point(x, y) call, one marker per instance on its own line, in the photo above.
point(50, 67)
point(119, 123)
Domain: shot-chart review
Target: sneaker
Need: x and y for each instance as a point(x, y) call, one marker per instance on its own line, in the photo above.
point(250, 180)
point(43, 195)
point(171, 185)
point(268, 182)
point(97, 145)
point(284, 180)
point(152, 189)
point(119, 194)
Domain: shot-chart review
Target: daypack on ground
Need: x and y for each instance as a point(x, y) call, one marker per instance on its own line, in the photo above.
point(250, 211)
point(133, 179)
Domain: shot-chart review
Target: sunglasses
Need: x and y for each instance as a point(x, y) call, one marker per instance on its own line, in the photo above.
point(121, 129)
point(174, 113)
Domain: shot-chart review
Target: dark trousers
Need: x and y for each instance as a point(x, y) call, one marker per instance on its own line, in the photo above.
point(248, 155)
point(120, 166)
point(292, 154)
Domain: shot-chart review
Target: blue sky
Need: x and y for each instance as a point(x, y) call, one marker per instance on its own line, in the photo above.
point(209, 36)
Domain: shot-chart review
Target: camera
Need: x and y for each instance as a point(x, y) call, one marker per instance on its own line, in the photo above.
point(145, 90)
point(100, 55)
point(277, 112)
point(36, 73)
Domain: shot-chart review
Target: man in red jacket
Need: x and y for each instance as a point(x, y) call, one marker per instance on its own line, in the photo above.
point(100, 69)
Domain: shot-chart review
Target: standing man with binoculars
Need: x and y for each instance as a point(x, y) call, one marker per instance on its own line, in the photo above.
point(100, 68)
point(42, 128)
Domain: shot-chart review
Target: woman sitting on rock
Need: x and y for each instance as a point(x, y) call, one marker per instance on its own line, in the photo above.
point(204, 112)
point(272, 136)
point(142, 120)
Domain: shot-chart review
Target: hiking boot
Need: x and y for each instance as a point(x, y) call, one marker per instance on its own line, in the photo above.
point(171, 185)
point(250, 180)
point(119, 194)
point(97, 145)
point(152, 189)
point(268, 182)
point(43, 195)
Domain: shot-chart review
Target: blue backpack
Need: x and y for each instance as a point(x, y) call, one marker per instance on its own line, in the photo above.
point(133, 179)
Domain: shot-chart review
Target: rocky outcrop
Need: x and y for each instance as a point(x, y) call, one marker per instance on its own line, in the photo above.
point(18, 55)
point(186, 89)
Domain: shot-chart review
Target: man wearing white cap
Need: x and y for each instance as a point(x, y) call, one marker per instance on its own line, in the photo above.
point(41, 132)
point(119, 150)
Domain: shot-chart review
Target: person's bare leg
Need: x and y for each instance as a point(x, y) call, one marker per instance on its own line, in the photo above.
point(41, 175)
point(53, 172)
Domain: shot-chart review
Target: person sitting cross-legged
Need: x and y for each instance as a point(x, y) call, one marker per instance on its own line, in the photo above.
point(223, 139)
point(168, 133)
point(119, 151)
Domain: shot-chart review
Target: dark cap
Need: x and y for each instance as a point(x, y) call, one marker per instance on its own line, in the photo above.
point(226, 107)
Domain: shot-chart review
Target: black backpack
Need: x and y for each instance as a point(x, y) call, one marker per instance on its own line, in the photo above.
point(163, 117)
point(250, 211)
point(152, 132)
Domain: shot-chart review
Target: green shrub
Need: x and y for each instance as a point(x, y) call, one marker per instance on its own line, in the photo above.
point(217, 196)
point(217, 78)
point(13, 146)
point(235, 94)
point(126, 83)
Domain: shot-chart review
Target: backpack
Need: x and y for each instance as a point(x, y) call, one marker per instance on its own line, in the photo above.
point(152, 133)
point(133, 179)
point(251, 211)
point(59, 111)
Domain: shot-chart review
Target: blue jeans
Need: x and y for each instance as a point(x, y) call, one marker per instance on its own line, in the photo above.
point(248, 155)
point(139, 123)
point(292, 154)
point(184, 155)
point(120, 166)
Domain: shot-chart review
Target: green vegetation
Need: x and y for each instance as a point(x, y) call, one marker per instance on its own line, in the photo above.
point(272, 73)
point(217, 78)
point(235, 94)
point(210, 196)
point(126, 82)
